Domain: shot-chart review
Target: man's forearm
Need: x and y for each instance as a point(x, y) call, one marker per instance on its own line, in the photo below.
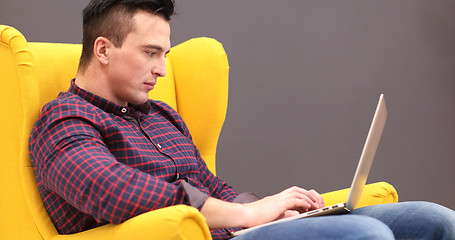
point(221, 214)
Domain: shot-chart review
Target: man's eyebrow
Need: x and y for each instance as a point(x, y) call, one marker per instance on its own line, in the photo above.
point(156, 47)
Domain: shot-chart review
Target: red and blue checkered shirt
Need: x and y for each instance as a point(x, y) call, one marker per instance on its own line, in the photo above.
point(97, 162)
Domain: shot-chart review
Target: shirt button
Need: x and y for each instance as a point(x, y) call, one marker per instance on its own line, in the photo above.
point(159, 146)
point(124, 110)
point(178, 176)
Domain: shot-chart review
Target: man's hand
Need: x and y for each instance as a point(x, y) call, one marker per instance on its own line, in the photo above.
point(287, 203)
point(294, 200)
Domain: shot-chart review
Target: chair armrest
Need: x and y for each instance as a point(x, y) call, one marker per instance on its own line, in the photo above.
point(375, 193)
point(176, 222)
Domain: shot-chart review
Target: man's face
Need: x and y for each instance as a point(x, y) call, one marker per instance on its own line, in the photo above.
point(134, 67)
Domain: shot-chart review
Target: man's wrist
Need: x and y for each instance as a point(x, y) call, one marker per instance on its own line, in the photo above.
point(221, 214)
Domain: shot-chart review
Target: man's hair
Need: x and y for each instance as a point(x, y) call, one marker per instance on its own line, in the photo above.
point(113, 19)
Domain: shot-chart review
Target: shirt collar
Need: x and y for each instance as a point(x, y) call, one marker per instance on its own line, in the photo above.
point(106, 105)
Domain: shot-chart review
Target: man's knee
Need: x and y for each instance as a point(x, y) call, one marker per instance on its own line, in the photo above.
point(438, 221)
point(414, 220)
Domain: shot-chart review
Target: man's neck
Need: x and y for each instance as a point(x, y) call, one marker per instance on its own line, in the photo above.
point(96, 83)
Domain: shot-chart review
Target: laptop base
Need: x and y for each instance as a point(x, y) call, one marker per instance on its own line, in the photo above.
point(331, 210)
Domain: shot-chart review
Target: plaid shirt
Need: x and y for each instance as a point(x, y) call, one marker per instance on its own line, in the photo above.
point(97, 162)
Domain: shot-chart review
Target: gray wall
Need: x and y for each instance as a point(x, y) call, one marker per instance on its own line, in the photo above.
point(305, 78)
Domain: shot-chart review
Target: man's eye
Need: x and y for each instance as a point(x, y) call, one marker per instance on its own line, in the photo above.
point(151, 53)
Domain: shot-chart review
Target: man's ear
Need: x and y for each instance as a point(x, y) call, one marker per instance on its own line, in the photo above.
point(100, 49)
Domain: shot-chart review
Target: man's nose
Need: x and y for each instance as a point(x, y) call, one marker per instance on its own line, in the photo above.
point(160, 69)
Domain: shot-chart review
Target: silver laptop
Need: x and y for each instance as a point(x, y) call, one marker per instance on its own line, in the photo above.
point(360, 177)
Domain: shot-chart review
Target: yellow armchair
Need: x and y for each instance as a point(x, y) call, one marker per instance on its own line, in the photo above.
point(196, 85)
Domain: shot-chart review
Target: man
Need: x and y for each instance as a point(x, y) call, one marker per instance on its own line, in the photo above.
point(103, 152)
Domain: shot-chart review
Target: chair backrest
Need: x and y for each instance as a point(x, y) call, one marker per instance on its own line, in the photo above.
point(32, 74)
